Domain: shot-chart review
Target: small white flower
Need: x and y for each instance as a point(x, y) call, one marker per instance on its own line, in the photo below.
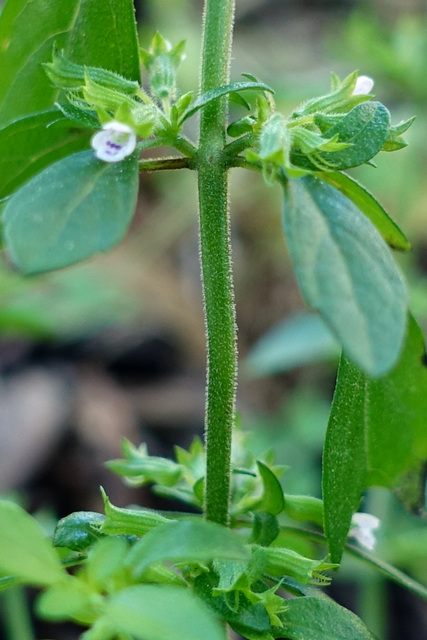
point(114, 142)
point(364, 85)
point(364, 524)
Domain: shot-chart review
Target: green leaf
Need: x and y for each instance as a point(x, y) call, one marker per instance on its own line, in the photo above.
point(368, 205)
point(265, 528)
point(105, 560)
point(149, 612)
point(79, 530)
point(376, 436)
point(92, 32)
point(365, 128)
point(314, 618)
point(71, 599)
point(247, 618)
point(272, 500)
point(302, 339)
point(346, 271)
point(226, 89)
point(189, 540)
point(71, 210)
point(24, 551)
point(31, 143)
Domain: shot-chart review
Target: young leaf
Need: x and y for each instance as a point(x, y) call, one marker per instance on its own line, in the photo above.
point(71, 210)
point(272, 500)
point(368, 205)
point(312, 618)
point(92, 32)
point(105, 560)
point(79, 530)
point(24, 551)
point(346, 272)
point(248, 618)
point(33, 142)
point(376, 436)
point(226, 89)
point(365, 129)
point(149, 612)
point(71, 599)
point(189, 540)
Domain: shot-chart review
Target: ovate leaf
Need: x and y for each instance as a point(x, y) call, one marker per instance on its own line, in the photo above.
point(104, 35)
point(24, 551)
point(376, 436)
point(149, 612)
point(314, 618)
point(368, 205)
point(189, 540)
point(70, 211)
point(33, 142)
point(92, 32)
point(346, 271)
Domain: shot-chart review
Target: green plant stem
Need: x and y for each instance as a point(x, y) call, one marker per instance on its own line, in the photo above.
point(239, 145)
point(216, 261)
point(164, 164)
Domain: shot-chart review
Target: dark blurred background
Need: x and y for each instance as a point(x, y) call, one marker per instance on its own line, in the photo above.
point(114, 347)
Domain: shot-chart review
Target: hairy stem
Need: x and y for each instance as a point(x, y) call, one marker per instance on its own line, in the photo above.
point(216, 261)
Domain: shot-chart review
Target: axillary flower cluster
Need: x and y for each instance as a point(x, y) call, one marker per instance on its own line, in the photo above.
point(340, 130)
point(118, 108)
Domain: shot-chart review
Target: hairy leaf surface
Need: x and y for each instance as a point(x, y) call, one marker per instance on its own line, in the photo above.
point(70, 211)
point(313, 618)
point(189, 540)
point(346, 271)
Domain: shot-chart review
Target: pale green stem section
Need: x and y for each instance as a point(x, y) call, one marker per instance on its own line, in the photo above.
point(216, 261)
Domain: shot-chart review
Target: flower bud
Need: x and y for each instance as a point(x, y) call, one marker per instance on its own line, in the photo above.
point(286, 562)
point(363, 86)
point(162, 62)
